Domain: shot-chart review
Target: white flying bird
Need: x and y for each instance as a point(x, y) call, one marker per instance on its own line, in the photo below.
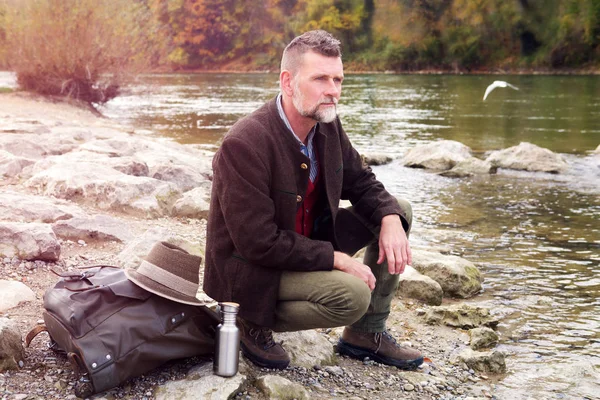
point(497, 84)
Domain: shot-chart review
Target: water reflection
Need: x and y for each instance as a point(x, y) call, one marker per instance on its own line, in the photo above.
point(191, 108)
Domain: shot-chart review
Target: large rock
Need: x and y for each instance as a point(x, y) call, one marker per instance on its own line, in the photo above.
point(193, 204)
point(28, 241)
point(469, 167)
point(307, 348)
point(23, 146)
point(461, 316)
point(43, 143)
point(98, 227)
point(200, 383)
point(11, 165)
point(440, 155)
point(482, 338)
point(457, 276)
point(11, 346)
point(376, 159)
point(115, 147)
point(19, 207)
point(184, 166)
point(105, 188)
point(528, 157)
point(129, 165)
point(484, 361)
point(72, 133)
point(12, 293)
point(414, 285)
point(131, 256)
point(279, 388)
point(181, 175)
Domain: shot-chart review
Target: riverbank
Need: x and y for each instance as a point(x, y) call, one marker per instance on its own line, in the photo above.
point(350, 70)
point(111, 194)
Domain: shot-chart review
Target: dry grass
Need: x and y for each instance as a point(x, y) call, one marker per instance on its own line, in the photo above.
point(82, 49)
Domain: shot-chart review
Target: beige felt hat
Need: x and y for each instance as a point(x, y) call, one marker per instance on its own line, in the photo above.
point(170, 272)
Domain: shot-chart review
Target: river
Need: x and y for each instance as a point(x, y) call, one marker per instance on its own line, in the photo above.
point(534, 236)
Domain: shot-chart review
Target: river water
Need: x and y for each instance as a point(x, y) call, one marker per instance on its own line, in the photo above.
point(534, 236)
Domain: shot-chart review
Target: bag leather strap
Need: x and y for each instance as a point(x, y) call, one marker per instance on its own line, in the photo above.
point(33, 333)
point(75, 276)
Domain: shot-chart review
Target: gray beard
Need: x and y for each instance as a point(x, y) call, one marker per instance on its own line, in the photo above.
point(327, 115)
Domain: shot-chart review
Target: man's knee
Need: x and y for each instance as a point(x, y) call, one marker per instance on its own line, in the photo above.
point(358, 300)
point(346, 300)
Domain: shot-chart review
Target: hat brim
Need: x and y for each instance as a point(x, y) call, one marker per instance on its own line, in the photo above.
point(161, 290)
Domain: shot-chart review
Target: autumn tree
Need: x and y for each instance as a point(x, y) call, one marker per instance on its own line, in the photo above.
point(262, 32)
point(205, 30)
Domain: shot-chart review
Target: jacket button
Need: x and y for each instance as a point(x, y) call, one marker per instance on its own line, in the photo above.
point(303, 166)
point(298, 199)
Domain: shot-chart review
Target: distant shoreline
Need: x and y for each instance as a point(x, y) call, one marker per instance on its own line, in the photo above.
point(524, 72)
point(421, 72)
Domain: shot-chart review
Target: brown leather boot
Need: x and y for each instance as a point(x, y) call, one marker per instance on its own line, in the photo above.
point(259, 347)
point(380, 347)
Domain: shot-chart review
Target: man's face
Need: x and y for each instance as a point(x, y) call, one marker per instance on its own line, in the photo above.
point(318, 86)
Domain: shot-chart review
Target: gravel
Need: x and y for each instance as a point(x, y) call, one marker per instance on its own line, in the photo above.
point(45, 374)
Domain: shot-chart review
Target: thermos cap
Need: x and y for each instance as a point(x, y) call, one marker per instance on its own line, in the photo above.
point(229, 307)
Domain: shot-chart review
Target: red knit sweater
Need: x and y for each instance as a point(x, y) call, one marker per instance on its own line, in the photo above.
point(305, 215)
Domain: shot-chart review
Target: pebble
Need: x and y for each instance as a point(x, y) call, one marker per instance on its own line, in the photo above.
point(335, 370)
point(408, 387)
point(60, 385)
point(21, 364)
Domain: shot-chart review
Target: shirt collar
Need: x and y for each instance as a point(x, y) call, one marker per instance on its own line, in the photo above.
point(311, 134)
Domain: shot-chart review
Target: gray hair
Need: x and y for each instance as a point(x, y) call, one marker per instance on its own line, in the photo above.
point(319, 41)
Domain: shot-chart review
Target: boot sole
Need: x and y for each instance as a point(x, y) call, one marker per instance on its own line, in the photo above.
point(261, 362)
point(360, 353)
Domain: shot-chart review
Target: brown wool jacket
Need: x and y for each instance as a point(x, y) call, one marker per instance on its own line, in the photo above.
point(258, 184)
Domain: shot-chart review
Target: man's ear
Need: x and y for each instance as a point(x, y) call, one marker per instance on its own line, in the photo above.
point(285, 82)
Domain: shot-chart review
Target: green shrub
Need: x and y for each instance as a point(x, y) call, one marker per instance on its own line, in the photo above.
point(83, 49)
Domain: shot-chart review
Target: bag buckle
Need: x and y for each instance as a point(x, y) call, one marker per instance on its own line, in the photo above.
point(79, 277)
point(74, 276)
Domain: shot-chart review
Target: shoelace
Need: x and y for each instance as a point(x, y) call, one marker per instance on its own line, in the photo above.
point(264, 336)
point(379, 339)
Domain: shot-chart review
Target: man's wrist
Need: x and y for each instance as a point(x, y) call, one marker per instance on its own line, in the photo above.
point(390, 217)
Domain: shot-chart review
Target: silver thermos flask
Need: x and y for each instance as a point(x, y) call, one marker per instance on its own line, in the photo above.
point(227, 341)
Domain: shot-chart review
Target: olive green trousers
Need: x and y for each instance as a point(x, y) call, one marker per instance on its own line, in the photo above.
point(327, 299)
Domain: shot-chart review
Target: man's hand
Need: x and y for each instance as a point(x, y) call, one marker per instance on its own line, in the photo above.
point(393, 244)
point(345, 263)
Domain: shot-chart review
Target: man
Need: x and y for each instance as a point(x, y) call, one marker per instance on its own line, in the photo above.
point(277, 242)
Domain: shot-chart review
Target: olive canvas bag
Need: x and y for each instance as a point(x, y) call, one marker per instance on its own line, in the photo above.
point(113, 330)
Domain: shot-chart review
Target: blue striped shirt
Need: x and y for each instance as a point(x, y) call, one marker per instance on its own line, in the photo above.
point(308, 150)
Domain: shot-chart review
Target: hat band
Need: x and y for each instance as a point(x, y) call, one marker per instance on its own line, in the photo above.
point(168, 279)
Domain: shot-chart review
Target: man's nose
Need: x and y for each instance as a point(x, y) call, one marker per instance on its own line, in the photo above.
point(333, 89)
